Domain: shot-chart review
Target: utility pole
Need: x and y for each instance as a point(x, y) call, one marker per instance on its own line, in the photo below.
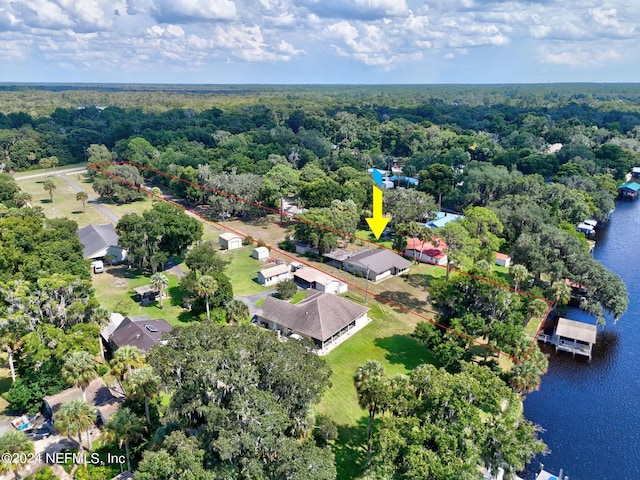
point(366, 288)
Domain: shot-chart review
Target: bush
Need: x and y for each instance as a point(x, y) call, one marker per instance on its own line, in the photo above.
point(286, 289)
point(325, 431)
point(26, 394)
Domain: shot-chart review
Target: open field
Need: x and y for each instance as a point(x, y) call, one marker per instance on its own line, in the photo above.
point(64, 201)
point(114, 291)
point(386, 339)
point(243, 271)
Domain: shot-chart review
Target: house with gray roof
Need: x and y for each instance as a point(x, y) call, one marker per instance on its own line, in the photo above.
point(98, 241)
point(141, 332)
point(324, 318)
point(376, 264)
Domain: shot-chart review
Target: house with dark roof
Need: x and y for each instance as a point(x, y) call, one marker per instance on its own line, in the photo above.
point(324, 318)
point(141, 332)
point(376, 264)
point(98, 241)
point(105, 400)
point(429, 252)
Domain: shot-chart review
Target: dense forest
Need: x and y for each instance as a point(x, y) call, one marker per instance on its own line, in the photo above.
point(524, 163)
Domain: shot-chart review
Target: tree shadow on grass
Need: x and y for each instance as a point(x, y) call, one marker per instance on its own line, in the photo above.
point(350, 450)
point(406, 300)
point(122, 271)
point(404, 350)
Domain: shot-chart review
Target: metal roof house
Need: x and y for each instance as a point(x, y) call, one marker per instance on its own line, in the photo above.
point(442, 218)
point(308, 277)
point(429, 252)
point(99, 241)
point(324, 318)
point(376, 264)
point(273, 275)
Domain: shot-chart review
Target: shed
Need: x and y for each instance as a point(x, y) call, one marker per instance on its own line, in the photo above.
point(502, 259)
point(273, 275)
point(635, 172)
point(260, 253)
point(230, 241)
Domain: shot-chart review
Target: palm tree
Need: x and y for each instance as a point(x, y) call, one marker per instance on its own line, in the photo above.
point(73, 418)
point(82, 197)
point(237, 311)
point(519, 274)
point(124, 360)
point(45, 163)
point(206, 286)
point(79, 370)
point(10, 343)
point(123, 426)
point(14, 442)
point(49, 185)
point(159, 281)
point(53, 161)
point(561, 292)
point(143, 384)
point(100, 316)
point(22, 199)
point(527, 375)
point(372, 389)
point(537, 308)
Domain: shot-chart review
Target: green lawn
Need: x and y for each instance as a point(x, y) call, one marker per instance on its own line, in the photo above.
point(5, 381)
point(299, 296)
point(367, 235)
point(64, 201)
point(114, 291)
point(385, 339)
point(243, 271)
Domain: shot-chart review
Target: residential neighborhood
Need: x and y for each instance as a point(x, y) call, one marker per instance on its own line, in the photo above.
point(205, 291)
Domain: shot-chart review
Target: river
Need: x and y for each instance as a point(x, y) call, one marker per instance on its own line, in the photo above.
point(591, 411)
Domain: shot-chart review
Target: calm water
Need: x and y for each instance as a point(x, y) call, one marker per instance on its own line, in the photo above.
point(591, 411)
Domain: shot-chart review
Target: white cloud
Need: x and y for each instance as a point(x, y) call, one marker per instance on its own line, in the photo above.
point(581, 57)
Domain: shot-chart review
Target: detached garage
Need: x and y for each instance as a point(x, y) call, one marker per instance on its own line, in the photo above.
point(260, 253)
point(230, 241)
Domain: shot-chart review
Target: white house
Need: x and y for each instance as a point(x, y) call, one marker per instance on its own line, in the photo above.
point(376, 264)
point(230, 241)
point(260, 253)
point(427, 251)
point(502, 259)
point(308, 277)
point(325, 319)
point(273, 275)
point(98, 241)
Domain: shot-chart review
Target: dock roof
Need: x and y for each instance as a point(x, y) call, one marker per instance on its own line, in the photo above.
point(632, 186)
point(583, 332)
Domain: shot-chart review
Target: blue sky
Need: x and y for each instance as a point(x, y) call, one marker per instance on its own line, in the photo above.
point(319, 41)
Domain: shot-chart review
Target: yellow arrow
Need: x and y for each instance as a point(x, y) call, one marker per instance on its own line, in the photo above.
point(378, 222)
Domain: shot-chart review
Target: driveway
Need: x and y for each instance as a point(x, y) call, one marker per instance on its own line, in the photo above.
point(114, 218)
point(250, 300)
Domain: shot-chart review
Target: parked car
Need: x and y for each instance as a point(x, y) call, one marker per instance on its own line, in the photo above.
point(38, 433)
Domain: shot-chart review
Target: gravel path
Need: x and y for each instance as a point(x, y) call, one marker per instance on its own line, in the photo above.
point(250, 300)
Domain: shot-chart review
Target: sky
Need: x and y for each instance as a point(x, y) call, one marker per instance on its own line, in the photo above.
point(319, 41)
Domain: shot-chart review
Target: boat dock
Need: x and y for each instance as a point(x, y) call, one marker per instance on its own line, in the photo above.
point(571, 336)
point(544, 475)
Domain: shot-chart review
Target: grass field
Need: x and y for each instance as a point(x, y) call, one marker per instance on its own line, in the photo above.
point(386, 339)
point(243, 271)
point(114, 291)
point(37, 171)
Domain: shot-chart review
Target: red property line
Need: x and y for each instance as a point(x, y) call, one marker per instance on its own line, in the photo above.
point(97, 167)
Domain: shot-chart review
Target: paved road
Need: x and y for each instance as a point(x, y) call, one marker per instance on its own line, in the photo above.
point(114, 218)
point(250, 300)
point(57, 174)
